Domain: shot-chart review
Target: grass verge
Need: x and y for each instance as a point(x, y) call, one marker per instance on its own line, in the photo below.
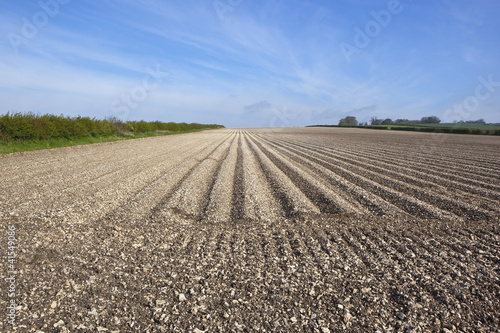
point(30, 145)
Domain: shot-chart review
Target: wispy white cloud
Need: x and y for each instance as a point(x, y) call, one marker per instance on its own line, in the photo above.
point(285, 54)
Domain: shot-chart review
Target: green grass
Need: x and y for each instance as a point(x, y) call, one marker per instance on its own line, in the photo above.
point(452, 128)
point(30, 145)
point(472, 128)
point(462, 125)
point(390, 126)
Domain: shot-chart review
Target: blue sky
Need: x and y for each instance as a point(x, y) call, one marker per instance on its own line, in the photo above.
point(255, 63)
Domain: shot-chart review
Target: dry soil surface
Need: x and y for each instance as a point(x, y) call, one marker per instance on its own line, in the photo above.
point(270, 230)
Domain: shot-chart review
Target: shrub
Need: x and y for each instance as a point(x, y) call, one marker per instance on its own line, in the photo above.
point(30, 126)
point(16, 127)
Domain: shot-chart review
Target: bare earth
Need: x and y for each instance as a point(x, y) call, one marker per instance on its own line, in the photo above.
point(307, 229)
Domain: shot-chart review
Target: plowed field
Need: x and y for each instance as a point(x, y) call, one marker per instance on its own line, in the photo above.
point(312, 229)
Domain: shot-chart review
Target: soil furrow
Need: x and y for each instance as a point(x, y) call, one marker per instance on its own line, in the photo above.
point(259, 202)
point(401, 172)
point(424, 165)
point(276, 230)
point(408, 203)
point(326, 199)
point(292, 200)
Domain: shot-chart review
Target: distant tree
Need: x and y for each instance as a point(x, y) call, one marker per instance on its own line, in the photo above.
point(430, 120)
point(434, 120)
point(401, 121)
point(479, 121)
point(387, 121)
point(376, 121)
point(348, 121)
point(351, 121)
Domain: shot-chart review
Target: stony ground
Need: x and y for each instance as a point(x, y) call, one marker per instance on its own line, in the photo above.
point(270, 230)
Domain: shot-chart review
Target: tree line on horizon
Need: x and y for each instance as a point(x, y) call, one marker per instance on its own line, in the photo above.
point(422, 125)
point(351, 121)
point(30, 126)
point(389, 121)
